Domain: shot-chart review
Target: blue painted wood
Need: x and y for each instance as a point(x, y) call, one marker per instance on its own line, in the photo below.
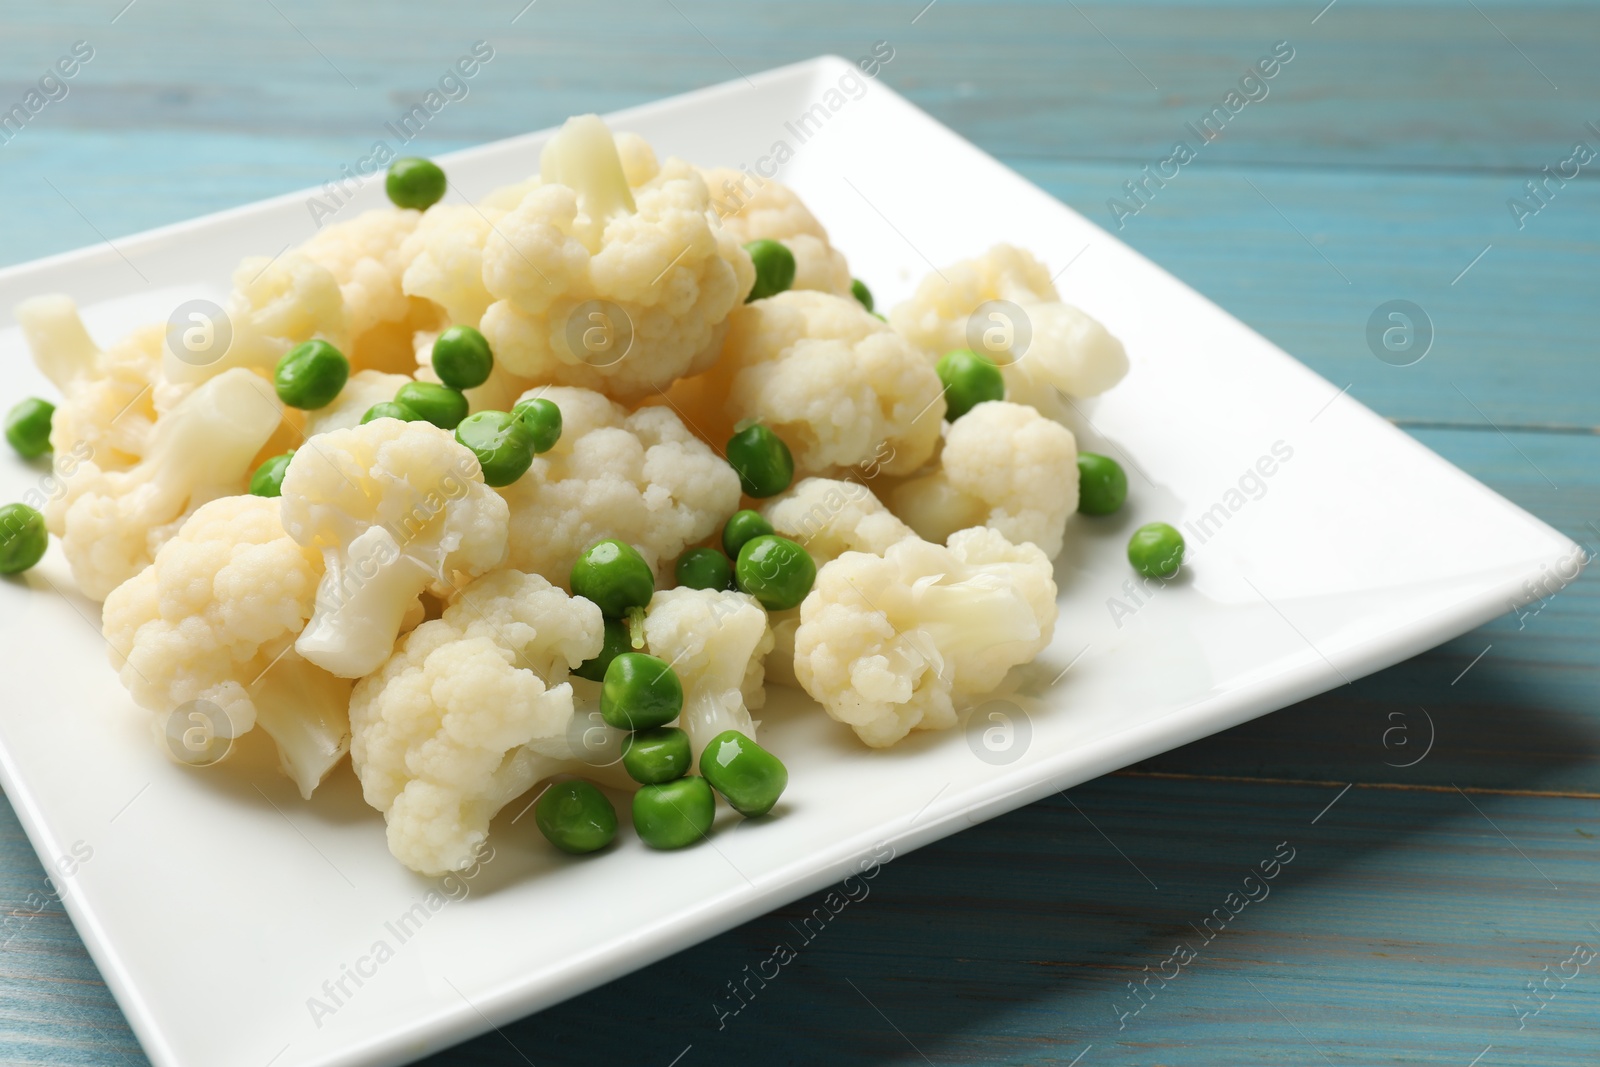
point(1413, 913)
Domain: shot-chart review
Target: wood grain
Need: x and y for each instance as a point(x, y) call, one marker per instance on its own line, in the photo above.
point(1014, 944)
point(1378, 167)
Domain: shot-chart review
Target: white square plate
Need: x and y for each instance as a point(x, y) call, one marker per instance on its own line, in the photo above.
point(217, 905)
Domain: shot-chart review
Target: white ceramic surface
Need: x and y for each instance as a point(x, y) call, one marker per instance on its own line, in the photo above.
point(218, 904)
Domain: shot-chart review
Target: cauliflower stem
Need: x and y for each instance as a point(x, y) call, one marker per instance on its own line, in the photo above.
point(948, 614)
point(583, 156)
point(715, 641)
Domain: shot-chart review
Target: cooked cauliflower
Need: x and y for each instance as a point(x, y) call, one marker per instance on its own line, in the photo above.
point(111, 522)
point(831, 517)
point(582, 236)
point(363, 254)
point(841, 388)
point(444, 257)
point(716, 641)
point(364, 389)
point(1068, 351)
point(641, 478)
point(213, 619)
point(448, 730)
point(1003, 465)
point(275, 305)
point(396, 508)
point(367, 257)
point(888, 643)
point(108, 399)
point(773, 210)
point(639, 164)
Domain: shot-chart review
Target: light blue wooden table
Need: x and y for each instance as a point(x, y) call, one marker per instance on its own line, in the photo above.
point(1421, 900)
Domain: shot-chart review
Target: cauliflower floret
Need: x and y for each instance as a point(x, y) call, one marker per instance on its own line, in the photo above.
point(213, 618)
point(275, 305)
point(449, 730)
point(1003, 465)
point(887, 643)
point(581, 236)
point(841, 388)
point(775, 211)
point(445, 259)
point(367, 256)
point(641, 478)
point(396, 508)
point(111, 522)
point(1068, 350)
point(108, 398)
point(716, 641)
point(831, 517)
point(364, 389)
point(364, 255)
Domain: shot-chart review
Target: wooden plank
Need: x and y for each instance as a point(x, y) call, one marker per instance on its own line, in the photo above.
point(1403, 930)
point(1015, 945)
point(54, 1008)
point(1371, 83)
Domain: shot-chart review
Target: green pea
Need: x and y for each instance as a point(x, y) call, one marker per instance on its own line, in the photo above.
point(658, 755)
point(674, 814)
point(859, 290)
point(439, 404)
point(23, 538)
point(640, 692)
point(704, 568)
point(28, 427)
point(311, 375)
point(969, 379)
point(776, 571)
point(741, 527)
point(268, 478)
point(614, 576)
point(1102, 484)
point(750, 778)
point(461, 358)
point(1156, 550)
point(774, 268)
point(388, 409)
point(415, 183)
point(617, 641)
point(503, 445)
point(764, 463)
point(543, 420)
point(576, 817)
